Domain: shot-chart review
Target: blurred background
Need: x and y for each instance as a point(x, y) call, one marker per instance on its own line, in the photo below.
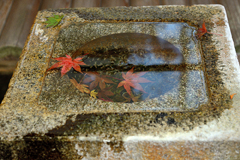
point(17, 16)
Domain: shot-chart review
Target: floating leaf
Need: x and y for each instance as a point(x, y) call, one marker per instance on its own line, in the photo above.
point(81, 87)
point(53, 21)
point(67, 63)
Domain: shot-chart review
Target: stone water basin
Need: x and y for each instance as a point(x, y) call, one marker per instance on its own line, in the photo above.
point(178, 105)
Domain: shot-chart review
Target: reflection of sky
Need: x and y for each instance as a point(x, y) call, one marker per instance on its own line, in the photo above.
point(173, 32)
point(160, 83)
point(150, 59)
point(191, 92)
point(172, 29)
point(172, 89)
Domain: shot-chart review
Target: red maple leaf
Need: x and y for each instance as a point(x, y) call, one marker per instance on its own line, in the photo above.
point(96, 79)
point(67, 63)
point(203, 30)
point(133, 80)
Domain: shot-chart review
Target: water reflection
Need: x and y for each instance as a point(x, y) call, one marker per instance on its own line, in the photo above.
point(134, 67)
point(134, 62)
point(186, 88)
point(130, 48)
point(149, 59)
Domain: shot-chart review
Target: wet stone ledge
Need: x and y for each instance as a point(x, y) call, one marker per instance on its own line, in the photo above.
point(149, 81)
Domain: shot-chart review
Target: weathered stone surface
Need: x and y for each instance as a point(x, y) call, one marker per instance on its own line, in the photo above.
point(44, 116)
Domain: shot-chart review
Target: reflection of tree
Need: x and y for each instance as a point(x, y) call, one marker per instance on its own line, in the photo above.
point(131, 41)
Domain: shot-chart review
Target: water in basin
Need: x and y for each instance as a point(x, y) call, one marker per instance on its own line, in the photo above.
point(129, 63)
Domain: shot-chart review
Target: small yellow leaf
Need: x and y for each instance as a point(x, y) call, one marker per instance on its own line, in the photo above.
point(93, 94)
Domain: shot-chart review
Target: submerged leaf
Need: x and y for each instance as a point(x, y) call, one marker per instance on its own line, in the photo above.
point(104, 93)
point(93, 94)
point(132, 98)
point(81, 87)
point(96, 79)
point(133, 80)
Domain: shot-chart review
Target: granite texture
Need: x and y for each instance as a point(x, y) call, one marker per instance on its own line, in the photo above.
point(32, 127)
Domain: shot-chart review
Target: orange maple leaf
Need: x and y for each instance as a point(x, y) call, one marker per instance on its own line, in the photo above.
point(133, 80)
point(203, 30)
point(81, 87)
point(231, 96)
point(96, 79)
point(132, 98)
point(67, 63)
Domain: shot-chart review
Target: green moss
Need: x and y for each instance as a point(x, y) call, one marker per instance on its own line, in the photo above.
point(9, 51)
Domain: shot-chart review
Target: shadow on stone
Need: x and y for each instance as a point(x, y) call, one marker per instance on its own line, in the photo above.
point(4, 80)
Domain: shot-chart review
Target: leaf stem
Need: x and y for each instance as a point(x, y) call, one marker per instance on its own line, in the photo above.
point(82, 78)
point(85, 54)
